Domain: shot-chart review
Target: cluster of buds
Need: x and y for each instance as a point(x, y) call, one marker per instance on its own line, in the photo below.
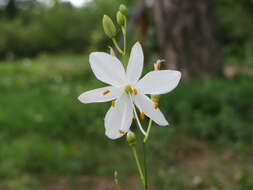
point(121, 15)
point(108, 25)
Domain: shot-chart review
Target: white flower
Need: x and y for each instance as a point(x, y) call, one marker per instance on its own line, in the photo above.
point(126, 90)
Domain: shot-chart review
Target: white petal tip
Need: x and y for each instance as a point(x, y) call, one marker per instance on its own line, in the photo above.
point(81, 99)
point(93, 54)
point(113, 137)
point(165, 123)
point(138, 46)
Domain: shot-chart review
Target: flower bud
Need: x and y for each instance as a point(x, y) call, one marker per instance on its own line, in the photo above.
point(120, 18)
point(131, 138)
point(123, 9)
point(109, 27)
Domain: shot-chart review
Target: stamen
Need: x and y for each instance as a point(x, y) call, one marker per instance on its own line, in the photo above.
point(113, 103)
point(106, 92)
point(142, 115)
point(122, 132)
point(156, 105)
point(135, 91)
point(157, 66)
point(137, 119)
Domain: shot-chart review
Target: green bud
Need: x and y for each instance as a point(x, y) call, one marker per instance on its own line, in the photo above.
point(131, 138)
point(120, 18)
point(123, 9)
point(109, 27)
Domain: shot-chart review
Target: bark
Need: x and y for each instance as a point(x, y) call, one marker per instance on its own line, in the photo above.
point(187, 38)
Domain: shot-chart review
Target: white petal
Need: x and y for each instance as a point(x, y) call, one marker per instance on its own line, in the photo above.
point(159, 82)
point(135, 64)
point(107, 68)
point(146, 105)
point(118, 119)
point(100, 95)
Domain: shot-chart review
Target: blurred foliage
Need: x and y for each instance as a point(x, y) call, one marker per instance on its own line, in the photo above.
point(60, 28)
point(214, 109)
point(37, 28)
point(235, 29)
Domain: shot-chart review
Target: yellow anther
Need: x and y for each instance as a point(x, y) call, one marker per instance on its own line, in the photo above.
point(135, 91)
point(122, 132)
point(142, 115)
point(106, 92)
point(156, 105)
point(157, 64)
point(128, 89)
point(113, 103)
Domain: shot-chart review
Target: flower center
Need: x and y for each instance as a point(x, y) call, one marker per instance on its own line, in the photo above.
point(128, 89)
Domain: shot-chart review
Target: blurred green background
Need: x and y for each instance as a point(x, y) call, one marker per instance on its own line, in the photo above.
point(50, 141)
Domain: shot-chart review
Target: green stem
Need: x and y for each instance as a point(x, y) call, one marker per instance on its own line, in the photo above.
point(123, 29)
point(124, 36)
point(145, 154)
point(148, 131)
point(117, 46)
point(144, 142)
point(138, 165)
point(145, 166)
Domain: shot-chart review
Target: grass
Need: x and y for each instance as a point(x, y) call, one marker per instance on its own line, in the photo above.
point(48, 140)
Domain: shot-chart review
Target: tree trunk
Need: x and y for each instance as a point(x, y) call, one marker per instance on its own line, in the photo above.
point(186, 36)
point(11, 9)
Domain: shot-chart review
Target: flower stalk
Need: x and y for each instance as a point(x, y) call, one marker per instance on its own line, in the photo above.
point(134, 151)
point(145, 165)
point(115, 43)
